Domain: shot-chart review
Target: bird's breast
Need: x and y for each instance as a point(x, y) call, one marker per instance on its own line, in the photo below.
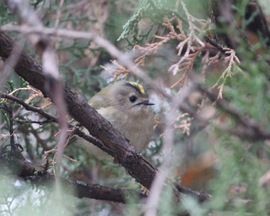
point(138, 131)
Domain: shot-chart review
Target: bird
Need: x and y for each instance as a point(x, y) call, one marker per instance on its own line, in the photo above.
point(126, 106)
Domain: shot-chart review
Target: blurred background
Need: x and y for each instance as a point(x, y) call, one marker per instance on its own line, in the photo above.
point(221, 131)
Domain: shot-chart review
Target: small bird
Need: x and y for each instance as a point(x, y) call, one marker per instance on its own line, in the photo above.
point(126, 106)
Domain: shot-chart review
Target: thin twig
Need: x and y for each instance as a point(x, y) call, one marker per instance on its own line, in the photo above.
point(50, 118)
point(122, 58)
point(167, 165)
point(27, 16)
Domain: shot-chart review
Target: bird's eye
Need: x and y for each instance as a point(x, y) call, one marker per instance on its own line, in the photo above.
point(132, 98)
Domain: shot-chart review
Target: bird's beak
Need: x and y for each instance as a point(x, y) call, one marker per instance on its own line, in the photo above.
point(145, 102)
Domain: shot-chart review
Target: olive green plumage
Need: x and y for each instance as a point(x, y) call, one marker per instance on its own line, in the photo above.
point(126, 105)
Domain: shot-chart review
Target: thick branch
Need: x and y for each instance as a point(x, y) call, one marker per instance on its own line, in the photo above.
point(79, 109)
point(27, 171)
point(135, 164)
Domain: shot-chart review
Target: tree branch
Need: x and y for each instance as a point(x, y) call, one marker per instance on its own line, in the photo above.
point(25, 170)
point(51, 118)
point(140, 169)
point(248, 129)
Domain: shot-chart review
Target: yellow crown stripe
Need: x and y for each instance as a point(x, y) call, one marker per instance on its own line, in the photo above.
point(138, 86)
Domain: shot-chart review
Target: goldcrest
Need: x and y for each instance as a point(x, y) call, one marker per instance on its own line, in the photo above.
point(126, 106)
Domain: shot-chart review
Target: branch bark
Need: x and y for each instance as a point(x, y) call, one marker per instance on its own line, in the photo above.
point(27, 171)
point(140, 169)
point(79, 109)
